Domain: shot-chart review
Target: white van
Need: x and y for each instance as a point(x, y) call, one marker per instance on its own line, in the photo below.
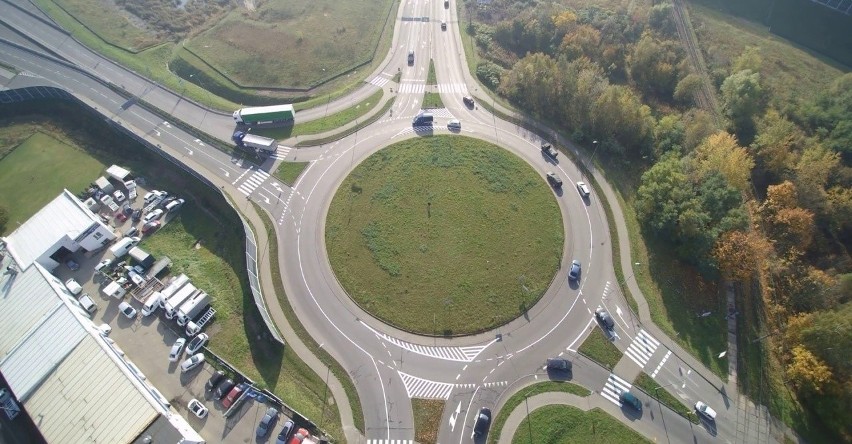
point(152, 303)
point(87, 303)
point(174, 205)
point(123, 246)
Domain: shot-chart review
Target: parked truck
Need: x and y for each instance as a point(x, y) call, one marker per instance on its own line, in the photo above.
point(194, 326)
point(261, 145)
point(275, 114)
point(173, 287)
point(181, 296)
point(192, 308)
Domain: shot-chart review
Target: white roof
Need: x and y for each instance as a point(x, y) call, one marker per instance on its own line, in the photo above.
point(18, 311)
point(63, 216)
point(118, 172)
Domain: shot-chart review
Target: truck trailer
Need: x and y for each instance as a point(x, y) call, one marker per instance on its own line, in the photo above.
point(174, 286)
point(195, 326)
point(192, 308)
point(252, 142)
point(275, 114)
point(175, 301)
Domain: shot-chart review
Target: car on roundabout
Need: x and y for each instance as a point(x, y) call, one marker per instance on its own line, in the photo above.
point(483, 420)
point(606, 321)
point(574, 272)
point(554, 180)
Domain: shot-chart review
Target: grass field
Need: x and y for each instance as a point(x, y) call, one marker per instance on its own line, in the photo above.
point(432, 100)
point(324, 124)
point(662, 395)
point(515, 400)
point(599, 348)
point(359, 125)
point(37, 170)
point(120, 31)
point(432, 78)
point(288, 172)
point(423, 227)
point(558, 424)
point(427, 419)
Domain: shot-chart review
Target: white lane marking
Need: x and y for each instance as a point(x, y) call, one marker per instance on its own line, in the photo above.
point(665, 358)
point(460, 354)
point(613, 388)
point(582, 333)
point(425, 389)
point(454, 416)
point(642, 348)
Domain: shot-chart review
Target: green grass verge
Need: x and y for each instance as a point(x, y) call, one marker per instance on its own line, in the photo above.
point(397, 77)
point(421, 227)
point(598, 348)
point(432, 78)
point(324, 124)
point(432, 100)
point(339, 372)
point(120, 31)
point(662, 395)
point(288, 172)
point(37, 170)
point(358, 126)
point(427, 419)
point(515, 400)
point(567, 424)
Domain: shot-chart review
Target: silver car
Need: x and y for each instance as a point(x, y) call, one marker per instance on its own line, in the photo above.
point(194, 361)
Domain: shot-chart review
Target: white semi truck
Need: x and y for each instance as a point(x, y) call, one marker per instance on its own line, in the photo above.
point(192, 307)
point(179, 298)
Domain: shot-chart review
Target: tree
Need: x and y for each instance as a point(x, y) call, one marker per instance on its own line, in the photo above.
point(698, 125)
point(660, 19)
point(786, 223)
point(749, 59)
point(777, 143)
point(619, 114)
point(721, 152)
point(583, 40)
point(687, 88)
point(668, 135)
point(743, 98)
point(740, 254)
point(653, 66)
point(828, 334)
point(663, 192)
point(807, 372)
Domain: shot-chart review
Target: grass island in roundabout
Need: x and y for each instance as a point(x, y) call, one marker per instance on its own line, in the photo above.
point(444, 235)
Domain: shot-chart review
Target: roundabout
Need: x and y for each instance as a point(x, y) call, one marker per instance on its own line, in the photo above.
point(444, 235)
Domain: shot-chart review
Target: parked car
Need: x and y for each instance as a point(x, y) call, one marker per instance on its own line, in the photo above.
point(127, 211)
point(72, 265)
point(232, 395)
point(128, 311)
point(267, 422)
point(628, 398)
point(73, 286)
point(558, 364)
point(135, 277)
point(154, 215)
point(468, 101)
point(137, 214)
point(285, 432)
point(299, 436)
point(211, 383)
point(103, 264)
point(554, 180)
point(196, 343)
point(132, 231)
point(197, 408)
point(705, 410)
point(193, 362)
point(150, 196)
point(223, 388)
point(483, 420)
point(606, 321)
point(150, 226)
point(177, 350)
point(583, 189)
point(121, 217)
point(87, 303)
point(119, 196)
point(574, 272)
point(174, 205)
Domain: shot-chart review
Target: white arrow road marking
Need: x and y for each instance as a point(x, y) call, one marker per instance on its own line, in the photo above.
point(227, 174)
point(266, 199)
point(454, 416)
point(158, 133)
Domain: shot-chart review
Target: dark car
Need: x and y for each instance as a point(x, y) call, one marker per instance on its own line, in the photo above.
point(554, 180)
point(267, 423)
point(468, 101)
point(285, 432)
point(483, 420)
point(558, 364)
point(72, 265)
point(127, 211)
point(214, 379)
point(574, 272)
point(223, 388)
point(632, 401)
point(549, 150)
point(606, 321)
point(137, 214)
point(443, 26)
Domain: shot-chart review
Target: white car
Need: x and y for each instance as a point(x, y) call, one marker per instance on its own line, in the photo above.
point(177, 350)
point(128, 311)
point(194, 361)
point(150, 196)
point(154, 215)
point(583, 189)
point(454, 124)
point(196, 343)
point(119, 196)
point(136, 277)
point(197, 408)
point(705, 410)
point(73, 287)
point(102, 264)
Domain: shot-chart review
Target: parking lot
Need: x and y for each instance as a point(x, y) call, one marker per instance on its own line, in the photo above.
point(147, 340)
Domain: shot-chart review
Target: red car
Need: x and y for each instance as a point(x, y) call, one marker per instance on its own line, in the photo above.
point(232, 396)
point(299, 436)
point(121, 217)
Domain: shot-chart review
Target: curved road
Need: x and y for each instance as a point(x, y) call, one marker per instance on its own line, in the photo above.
point(388, 366)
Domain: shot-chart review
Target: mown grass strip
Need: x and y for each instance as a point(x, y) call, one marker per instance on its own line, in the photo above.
point(568, 424)
point(363, 124)
point(432, 100)
point(652, 388)
point(327, 123)
point(288, 172)
point(599, 349)
point(339, 372)
point(432, 78)
point(515, 400)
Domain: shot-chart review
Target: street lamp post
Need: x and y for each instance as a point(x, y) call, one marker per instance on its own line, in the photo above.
point(594, 151)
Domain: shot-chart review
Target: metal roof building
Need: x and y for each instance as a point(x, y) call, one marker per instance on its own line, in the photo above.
point(74, 383)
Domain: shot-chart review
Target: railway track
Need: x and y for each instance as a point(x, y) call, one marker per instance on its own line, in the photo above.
point(706, 98)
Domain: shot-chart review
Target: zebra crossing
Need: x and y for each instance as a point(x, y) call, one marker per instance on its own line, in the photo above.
point(380, 80)
point(461, 354)
point(253, 181)
point(420, 88)
point(424, 388)
point(390, 441)
point(642, 348)
point(281, 152)
point(614, 387)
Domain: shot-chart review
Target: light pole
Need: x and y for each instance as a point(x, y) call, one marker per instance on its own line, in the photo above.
point(594, 151)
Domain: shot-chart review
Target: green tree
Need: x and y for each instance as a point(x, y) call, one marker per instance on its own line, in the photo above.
point(661, 19)
point(669, 135)
point(721, 152)
point(743, 98)
point(653, 66)
point(619, 115)
point(698, 125)
point(749, 59)
point(663, 193)
point(778, 143)
point(687, 88)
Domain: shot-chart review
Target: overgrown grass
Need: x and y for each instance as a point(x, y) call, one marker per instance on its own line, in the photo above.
point(324, 124)
point(600, 349)
point(432, 100)
point(339, 372)
point(515, 400)
point(432, 78)
point(35, 171)
point(421, 227)
point(427, 419)
point(567, 424)
point(110, 24)
point(288, 172)
point(662, 395)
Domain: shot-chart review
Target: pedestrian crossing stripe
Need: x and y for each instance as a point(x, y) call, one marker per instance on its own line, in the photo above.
point(390, 441)
point(281, 152)
point(253, 181)
point(379, 81)
point(420, 88)
point(614, 387)
point(424, 388)
point(642, 348)
point(460, 354)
